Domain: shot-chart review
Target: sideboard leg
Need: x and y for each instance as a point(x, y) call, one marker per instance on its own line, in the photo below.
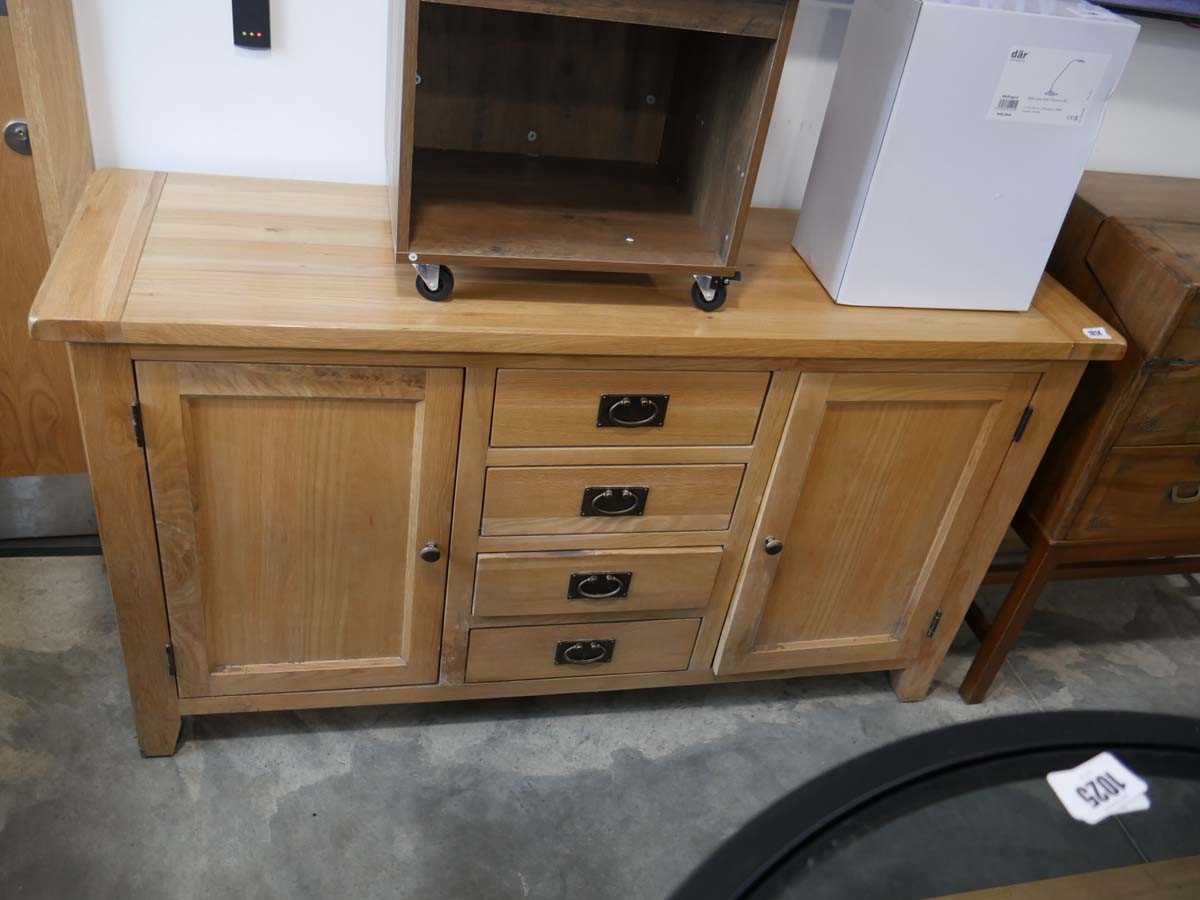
point(105, 392)
point(161, 739)
point(1049, 401)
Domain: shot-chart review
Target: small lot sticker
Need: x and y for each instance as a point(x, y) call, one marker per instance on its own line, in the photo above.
point(1097, 334)
point(1101, 787)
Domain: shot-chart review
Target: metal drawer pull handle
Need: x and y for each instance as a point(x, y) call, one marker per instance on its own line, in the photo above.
point(1188, 492)
point(583, 585)
point(627, 495)
point(632, 410)
point(603, 595)
point(584, 653)
point(614, 501)
point(643, 402)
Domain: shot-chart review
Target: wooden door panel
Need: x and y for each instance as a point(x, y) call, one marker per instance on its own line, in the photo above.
point(878, 479)
point(290, 503)
point(39, 427)
point(879, 452)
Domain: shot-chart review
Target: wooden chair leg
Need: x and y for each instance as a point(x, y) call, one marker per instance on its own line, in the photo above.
point(1009, 621)
point(977, 621)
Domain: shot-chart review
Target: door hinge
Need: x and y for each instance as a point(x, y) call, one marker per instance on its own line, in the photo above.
point(170, 660)
point(1023, 424)
point(139, 432)
point(933, 624)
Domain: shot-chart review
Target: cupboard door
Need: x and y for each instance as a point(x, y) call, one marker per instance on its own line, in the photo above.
point(877, 483)
point(291, 502)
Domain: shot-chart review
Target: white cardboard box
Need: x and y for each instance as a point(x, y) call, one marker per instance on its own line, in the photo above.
point(954, 139)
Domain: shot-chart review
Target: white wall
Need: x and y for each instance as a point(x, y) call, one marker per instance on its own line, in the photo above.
point(167, 89)
point(1153, 120)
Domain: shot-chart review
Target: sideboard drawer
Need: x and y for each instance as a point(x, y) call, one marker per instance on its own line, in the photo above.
point(565, 651)
point(571, 408)
point(595, 499)
point(570, 582)
point(1143, 493)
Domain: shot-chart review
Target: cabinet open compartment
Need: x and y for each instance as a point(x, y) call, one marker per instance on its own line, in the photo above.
point(579, 134)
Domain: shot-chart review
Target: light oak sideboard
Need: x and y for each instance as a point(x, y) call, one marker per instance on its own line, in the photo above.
point(317, 489)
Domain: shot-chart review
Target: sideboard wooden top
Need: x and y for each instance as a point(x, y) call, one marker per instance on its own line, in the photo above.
point(194, 260)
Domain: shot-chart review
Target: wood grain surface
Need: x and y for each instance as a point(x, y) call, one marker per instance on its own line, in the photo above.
point(39, 428)
point(105, 390)
point(88, 283)
point(559, 407)
point(1054, 390)
point(865, 556)
point(509, 654)
point(1141, 196)
point(1170, 879)
point(758, 18)
point(527, 584)
point(504, 209)
point(1141, 493)
point(290, 506)
point(548, 500)
point(52, 83)
point(318, 261)
point(514, 98)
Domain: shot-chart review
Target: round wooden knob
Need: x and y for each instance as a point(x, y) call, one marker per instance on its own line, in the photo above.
point(431, 552)
point(773, 546)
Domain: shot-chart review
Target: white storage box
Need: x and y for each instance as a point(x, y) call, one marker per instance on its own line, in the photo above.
point(955, 136)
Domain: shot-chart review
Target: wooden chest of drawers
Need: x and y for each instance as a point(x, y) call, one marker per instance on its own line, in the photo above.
point(1130, 249)
point(1121, 479)
point(332, 492)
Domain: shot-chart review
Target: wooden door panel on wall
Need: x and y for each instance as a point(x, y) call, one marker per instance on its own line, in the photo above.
point(291, 502)
point(39, 429)
point(876, 483)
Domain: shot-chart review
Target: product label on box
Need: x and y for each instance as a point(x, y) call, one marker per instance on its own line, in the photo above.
point(1049, 87)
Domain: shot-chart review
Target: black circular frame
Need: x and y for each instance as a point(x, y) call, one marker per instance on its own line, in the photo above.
point(1013, 746)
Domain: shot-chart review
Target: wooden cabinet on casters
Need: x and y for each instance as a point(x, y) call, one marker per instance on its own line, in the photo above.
point(622, 135)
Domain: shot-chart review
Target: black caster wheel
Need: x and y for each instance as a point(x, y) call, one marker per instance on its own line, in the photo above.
point(701, 302)
point(444, 289)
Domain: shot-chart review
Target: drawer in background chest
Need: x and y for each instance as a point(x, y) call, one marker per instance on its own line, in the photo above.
point(1167, 411)
point(532, 500)
point(585, 408)
point(1143, 493)
point(574, 582)
point(595, 648)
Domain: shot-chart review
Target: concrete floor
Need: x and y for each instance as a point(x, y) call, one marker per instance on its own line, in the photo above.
point(606, 796)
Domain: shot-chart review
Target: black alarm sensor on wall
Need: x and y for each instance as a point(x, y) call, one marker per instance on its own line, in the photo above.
point(252, 23)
